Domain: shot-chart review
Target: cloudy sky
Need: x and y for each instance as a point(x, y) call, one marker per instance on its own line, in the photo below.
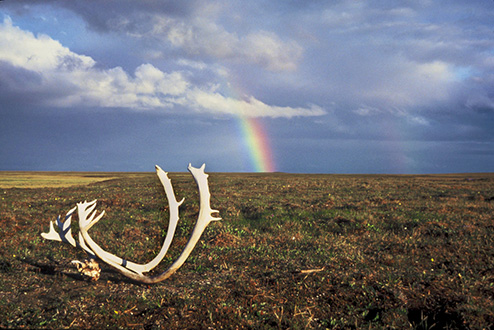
point(341, 86)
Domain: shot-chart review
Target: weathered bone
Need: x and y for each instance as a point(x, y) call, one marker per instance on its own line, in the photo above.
point(85, 209)
point(89, 268)
point(88, 217)
point(64, 233)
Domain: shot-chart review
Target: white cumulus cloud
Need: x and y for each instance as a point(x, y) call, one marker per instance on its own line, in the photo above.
point(67, 79)
point(251, 107)
point(203, 36)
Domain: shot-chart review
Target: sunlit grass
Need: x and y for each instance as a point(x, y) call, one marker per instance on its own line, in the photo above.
point(48, 179)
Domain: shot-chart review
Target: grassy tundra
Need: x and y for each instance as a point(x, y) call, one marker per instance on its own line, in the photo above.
point(292, 251)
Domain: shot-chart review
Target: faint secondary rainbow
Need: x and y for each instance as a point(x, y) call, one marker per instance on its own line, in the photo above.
point(256, 144)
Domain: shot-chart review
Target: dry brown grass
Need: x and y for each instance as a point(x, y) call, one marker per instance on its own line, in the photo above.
point(292, 252)
point(20, 179)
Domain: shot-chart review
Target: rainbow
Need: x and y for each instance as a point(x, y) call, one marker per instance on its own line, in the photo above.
point(256, 144)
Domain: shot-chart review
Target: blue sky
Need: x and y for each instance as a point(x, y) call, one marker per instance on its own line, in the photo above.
point(340, 86)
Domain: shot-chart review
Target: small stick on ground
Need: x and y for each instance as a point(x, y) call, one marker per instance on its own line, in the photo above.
point(310, 271)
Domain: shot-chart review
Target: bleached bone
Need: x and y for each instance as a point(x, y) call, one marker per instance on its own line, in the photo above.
point(89, 268)
point(64, 233)
point(88, 217)
point(85, 210)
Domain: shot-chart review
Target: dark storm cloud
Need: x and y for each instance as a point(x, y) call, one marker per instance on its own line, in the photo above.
point(21, 88)
point(111, 15)
point(14, 79)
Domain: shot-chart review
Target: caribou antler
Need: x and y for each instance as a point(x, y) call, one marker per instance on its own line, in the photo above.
point(88, 217)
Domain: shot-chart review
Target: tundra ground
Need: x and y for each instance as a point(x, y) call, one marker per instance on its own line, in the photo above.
point(292, 251)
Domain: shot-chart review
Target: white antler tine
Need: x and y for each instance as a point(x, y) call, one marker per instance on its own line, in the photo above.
point(67, 221)
point(81, 212)
point(64, 230)
point(71, 211)
point(64, 233)
point(215, 218)
point(52, 234)
point(65, 226)
point(90, 206)
point(91, 215)
point(84, 210)
point(94, 221)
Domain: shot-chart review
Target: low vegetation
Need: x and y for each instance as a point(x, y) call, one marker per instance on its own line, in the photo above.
point(50, 179)
point(292, 251)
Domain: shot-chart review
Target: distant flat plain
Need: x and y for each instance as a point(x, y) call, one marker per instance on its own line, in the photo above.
point(47, 179)
point(26, 179)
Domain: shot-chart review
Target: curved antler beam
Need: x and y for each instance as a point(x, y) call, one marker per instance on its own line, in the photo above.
point(85, 223)
point(88, 217)
point(204, 219)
